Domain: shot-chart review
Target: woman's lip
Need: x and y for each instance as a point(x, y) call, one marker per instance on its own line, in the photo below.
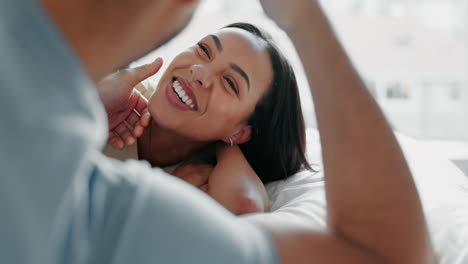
point(174, 100)
point(188, 90)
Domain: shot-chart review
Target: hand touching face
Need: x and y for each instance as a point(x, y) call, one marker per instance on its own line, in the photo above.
point(125, 107)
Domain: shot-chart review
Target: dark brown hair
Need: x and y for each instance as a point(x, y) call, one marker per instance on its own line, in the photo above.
point(277, 147)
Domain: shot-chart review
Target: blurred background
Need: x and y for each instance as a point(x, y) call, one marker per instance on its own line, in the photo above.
point(412, 54)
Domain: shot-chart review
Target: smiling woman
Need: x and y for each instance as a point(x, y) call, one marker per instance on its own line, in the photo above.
point(243, 90)
point(232, 86)
point(225, 75)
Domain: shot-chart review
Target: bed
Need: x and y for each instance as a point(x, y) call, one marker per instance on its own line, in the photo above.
point(443, 189)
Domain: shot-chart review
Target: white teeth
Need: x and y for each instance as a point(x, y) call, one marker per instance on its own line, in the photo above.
point(182, 94)
point(177, 85)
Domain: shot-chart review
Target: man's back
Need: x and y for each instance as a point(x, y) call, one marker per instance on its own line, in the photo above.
point(44, 138)
point(63, 202)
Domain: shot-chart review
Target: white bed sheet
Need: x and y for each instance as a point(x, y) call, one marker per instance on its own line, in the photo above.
point(443, 189)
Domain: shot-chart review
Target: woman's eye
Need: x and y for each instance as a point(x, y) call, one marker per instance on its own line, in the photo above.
point(232, 85)
point(204, 49)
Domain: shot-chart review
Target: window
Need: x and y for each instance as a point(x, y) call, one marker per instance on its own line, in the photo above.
point(416, 53)
point(397, 90)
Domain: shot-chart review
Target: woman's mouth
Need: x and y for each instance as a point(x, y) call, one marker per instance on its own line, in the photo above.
point(180, 95)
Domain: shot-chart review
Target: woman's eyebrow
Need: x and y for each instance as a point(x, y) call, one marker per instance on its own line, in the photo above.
point(216, 40)
point(242, 73)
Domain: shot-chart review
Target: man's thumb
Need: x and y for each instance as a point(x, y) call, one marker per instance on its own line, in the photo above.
point(147, 70)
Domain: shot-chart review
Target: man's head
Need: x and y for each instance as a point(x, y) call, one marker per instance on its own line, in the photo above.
point(109, 34)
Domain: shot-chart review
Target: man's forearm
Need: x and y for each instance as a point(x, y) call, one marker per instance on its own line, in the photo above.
point(359, 149)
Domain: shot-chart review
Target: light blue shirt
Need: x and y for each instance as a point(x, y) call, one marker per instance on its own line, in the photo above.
point(61, 201)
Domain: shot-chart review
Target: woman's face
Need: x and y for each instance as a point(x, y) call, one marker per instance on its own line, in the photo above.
point(210, 90)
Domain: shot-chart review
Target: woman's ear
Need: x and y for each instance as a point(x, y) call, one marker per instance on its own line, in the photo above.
point(241, 136)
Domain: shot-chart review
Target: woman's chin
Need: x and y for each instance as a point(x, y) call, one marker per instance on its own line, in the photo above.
point(166, 119)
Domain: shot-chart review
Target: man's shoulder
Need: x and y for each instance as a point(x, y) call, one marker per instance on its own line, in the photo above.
point(161, 217)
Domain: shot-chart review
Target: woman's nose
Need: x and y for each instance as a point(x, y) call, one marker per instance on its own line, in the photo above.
point(200, 74)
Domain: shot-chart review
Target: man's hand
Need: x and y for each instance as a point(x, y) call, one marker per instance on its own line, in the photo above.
point(126, 108)
point(196, 175)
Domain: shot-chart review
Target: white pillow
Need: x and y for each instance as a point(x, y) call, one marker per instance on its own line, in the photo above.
point(303, 194)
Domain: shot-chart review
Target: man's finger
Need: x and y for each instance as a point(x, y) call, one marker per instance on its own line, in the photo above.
point(133, 118)
point(204, 187)
point(203, 172)
point(205, 168)
point(124, 133)
point(115, 141)
point(145, 118)
point(142, 123)
point(142, 72)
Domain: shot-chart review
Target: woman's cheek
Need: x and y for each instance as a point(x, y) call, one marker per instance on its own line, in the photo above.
point(228, 115)
point(222, 110)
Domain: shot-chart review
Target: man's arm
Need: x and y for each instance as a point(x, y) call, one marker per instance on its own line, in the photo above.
point(373, 207)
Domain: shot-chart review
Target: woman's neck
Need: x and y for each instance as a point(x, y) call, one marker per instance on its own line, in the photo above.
point(161, 147)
